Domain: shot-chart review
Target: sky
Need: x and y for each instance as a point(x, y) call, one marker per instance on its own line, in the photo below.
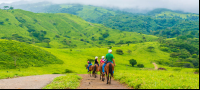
point(183, 5)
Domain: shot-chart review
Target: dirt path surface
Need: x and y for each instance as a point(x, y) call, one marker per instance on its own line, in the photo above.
point(29, 82)
point(95, 83)
point(155, 65)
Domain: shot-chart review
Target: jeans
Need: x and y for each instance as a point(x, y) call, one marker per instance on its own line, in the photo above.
point(103, 67)
point(89, 66)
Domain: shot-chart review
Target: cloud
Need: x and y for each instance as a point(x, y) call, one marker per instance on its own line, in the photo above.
point(184, 5)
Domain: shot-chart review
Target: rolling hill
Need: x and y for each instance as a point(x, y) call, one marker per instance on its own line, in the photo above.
point(14, 54)
point(159, 22)
point(60, 30)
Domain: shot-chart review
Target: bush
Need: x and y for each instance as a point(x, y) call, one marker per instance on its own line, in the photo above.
point(196, 71)
point(119, 51)
point(133, 62)
point(166, 49)
point(174, 55)
point(183, 64)
point(194, 56)
point(101, 38)
point(57, 36)
point(1, 22)
point(150, 48)
point(140, 65)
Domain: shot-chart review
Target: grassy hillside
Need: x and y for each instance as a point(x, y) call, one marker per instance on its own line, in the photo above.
point(147, 77)
point(61, 30)
point(160, 22)
point(14, 54)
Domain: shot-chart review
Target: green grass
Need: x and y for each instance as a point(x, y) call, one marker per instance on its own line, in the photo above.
point(70, 81)
point(14, 54)
point(75, 61)
point(154, 79)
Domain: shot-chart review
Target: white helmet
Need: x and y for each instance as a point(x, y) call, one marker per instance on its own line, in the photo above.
point(96, 57)
point(102, 56)
point(109, 51)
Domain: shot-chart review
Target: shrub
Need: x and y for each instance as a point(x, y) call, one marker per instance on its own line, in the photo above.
point(150, 48)
point(105, 35)
point(196, 71)
point(101, 38)
point(119, 51)
point(57, 36)
point(166, 49)
point(140, 65)
point(194, 56)
point(68, 71)
point(133, 62)
point(1, 22)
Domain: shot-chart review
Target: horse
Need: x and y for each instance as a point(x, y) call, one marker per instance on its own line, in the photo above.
point(109, 68)
point(100, 69)
point(95, 70)
point(90, 69)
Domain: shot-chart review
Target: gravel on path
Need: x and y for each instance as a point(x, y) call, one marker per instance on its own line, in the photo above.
point(29, 82)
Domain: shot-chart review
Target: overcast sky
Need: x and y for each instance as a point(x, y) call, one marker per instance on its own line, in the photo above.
point(184, 5)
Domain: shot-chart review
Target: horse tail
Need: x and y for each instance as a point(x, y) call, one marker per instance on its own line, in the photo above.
point(94, 69)
point(110, 69)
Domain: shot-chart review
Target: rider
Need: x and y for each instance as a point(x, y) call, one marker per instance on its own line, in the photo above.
point(102, 59)
point(90, 64)
point(109, 58)
point(96, 61)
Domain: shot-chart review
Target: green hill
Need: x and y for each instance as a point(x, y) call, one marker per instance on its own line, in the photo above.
point(62, 30)
point(14, 54)
point(159, 22)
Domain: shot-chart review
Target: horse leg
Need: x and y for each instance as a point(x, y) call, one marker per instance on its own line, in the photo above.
point(110, 79)
point(107, 78)
point(100, 76)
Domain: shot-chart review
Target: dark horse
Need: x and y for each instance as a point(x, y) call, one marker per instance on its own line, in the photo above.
point(90, 69)
point(109, 68)
point(95, 70)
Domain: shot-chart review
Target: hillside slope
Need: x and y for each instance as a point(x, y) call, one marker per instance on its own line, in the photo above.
point(61, 30)
point(159, 22)
point(14, 54)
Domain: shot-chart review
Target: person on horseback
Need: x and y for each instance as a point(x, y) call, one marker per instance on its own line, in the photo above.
point(96, 61)
point(109, 58)
point(90, 64)
point(102, 60)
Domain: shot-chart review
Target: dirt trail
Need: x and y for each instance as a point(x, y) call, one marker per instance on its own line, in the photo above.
point(155, 65)
point(29, 82)
point(95, 83)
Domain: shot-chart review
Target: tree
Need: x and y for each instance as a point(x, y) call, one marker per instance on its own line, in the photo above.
point(6, 7)
point(11, 8)
point(105, 35)
point(47, 41)
point(133, 62)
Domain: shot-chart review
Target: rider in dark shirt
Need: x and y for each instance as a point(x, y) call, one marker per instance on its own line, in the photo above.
point(96, 61)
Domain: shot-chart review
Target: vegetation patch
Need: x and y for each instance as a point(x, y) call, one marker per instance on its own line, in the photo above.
point(70, 81)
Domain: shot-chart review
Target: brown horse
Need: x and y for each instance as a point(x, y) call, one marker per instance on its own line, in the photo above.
point(95, 70)
point(100, 69)
point(90, 69)
point(109, 68)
